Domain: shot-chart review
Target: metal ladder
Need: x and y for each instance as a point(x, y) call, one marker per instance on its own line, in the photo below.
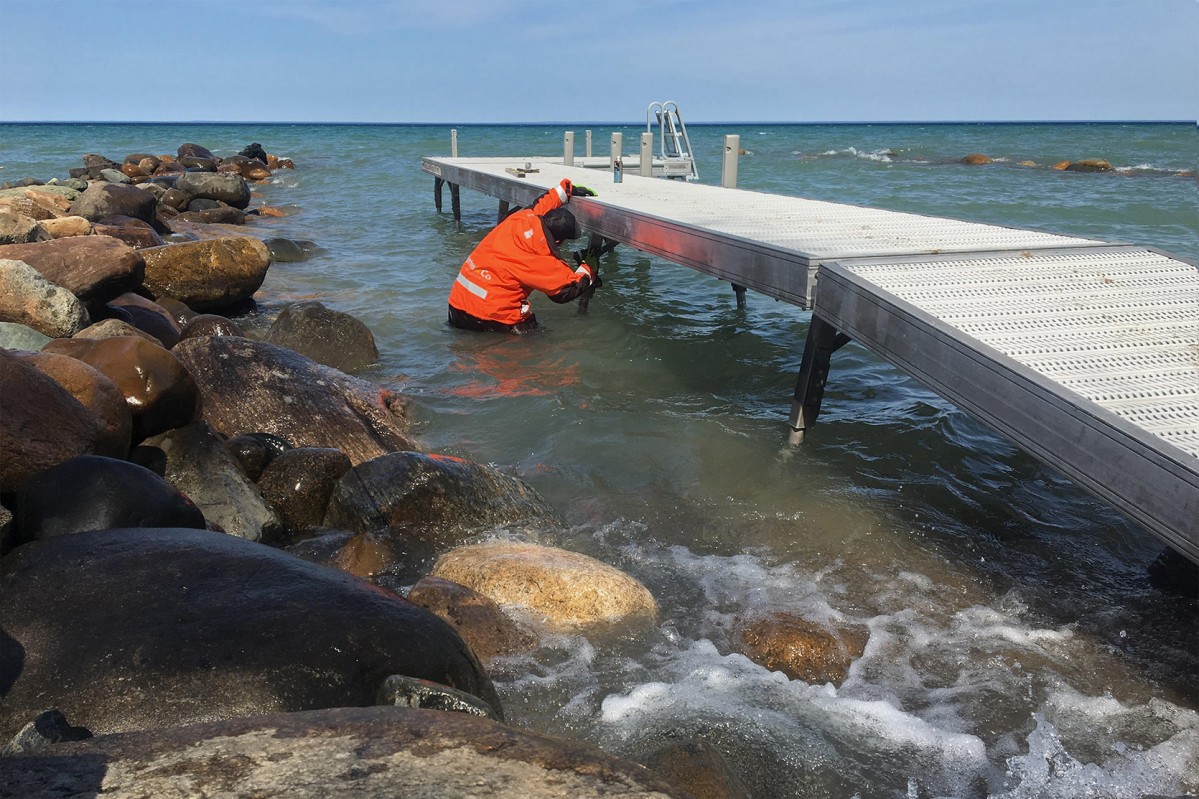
point(674, 148)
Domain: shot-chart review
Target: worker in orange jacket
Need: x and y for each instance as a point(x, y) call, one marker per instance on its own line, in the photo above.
point(520, 256)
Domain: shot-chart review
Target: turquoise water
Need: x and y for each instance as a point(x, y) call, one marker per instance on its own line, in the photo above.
point(1016, 646)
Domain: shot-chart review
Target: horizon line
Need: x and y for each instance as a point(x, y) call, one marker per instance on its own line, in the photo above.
point(603, 122)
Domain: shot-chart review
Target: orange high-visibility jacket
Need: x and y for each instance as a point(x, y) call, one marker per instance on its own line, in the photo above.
point(512, 261)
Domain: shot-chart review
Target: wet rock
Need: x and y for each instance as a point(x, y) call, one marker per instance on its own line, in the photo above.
point(1090, 165)
point(196, 165)
point(360, 554)
point(48, 728)
point(160, 392)
point(197, 463)
point(15, 336)
point(977, 159)
point(329, 337)
point(220, 215)
point(444, 499)
point(230, 189)
point(697, 768)
point(250, 386)
point(367, 753)
point(208, 274)
point(111, 199)
point(93, 268)
point(190, 149)
point(288, 250)
point(112, 621)
point(255, 451)
point(28, 298)
point(298, 483)
point(799, 648)
point(566, 590)
point(179, 200)
point(115, 328)
point(210, 325)
point(91, 492)
point(254, 150)
point(18, 229)
point(43, 424)
point(93, 391)
point(478, 619)
point(65, 227)
point(401, 691)
point(150, 317)
point(134, 232)
point(178, 311)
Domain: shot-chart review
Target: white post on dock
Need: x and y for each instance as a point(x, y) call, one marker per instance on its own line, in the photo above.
point(647, 154)
point(587, 145)
point(732, 149)
point(617, 146)
point(453, 142)
point(568, 148)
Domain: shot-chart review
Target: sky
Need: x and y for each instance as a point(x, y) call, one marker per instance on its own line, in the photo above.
point(530, 61)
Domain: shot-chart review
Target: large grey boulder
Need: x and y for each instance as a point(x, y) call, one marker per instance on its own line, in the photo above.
point(93, 268)
point(331, 337)
point(229, 188)
point(28, 298)
point(112, 199)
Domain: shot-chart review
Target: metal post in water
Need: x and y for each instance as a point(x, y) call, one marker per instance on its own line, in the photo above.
point(732, 149)
point(822, 341)
point(456, 202)
point(437, 184)
point(587, 145)
point(568, 148)
point(647, 154)
point(453, 142)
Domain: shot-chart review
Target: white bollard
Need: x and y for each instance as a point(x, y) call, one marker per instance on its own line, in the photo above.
point(647, 154)
point(732, 149)
point(453, 142)
point(568, 148)
point(587, 143)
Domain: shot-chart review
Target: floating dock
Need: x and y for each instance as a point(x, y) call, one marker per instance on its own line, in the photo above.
point(1083, 352)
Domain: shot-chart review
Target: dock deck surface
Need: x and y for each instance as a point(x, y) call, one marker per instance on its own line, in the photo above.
point(1083, 352)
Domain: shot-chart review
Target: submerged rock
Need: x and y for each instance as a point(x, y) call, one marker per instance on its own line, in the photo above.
point(1090, 165)
point(801, 649)
point(132, 629)
point(698, 768)
point(977, 159)
point(477, 618)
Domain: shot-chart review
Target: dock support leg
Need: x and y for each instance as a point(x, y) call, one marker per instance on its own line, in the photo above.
point(823, 340)
point(437, 184)
point(455, 202)
point(502, 213)
point(740, 292)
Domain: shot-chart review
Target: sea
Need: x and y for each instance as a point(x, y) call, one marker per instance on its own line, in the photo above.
point(1017, 647)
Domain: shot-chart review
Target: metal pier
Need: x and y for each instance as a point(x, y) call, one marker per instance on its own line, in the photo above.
point(1084, 353)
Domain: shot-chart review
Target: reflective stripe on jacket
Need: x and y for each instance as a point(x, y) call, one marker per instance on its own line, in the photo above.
point(512, 261)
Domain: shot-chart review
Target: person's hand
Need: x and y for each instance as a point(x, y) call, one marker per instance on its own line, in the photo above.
point(581, 191)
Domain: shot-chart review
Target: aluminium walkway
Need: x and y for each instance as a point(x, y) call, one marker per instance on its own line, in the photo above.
point(1082, 352)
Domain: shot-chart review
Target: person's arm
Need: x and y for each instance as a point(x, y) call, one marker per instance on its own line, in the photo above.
point(549, 274)
point(556, 197)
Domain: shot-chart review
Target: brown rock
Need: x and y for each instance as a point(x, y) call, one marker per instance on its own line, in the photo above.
point(93, 268)
point(56, 204)
point(95, 392)
point(210, 325)
point(176, 199)
point(160, 392)
point(28, 298)
point(1061, 165)
point(251, 387)
point(178, 311)
point(297, 484)
point(976, 159)
point(149, 164)
point(1090, 165)
point(65, 227)
point(18, 228)
point(207, 274)
point(134, 232)
point(801, 649)
point(24, 206)
point(697, 768)
point(149, 317)
point(133, 170)
point(479, 620)
point(43, 424)
point(564, 589)
point(115, 328)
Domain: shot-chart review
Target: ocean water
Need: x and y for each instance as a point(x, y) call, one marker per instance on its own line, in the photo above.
point(1016, 646)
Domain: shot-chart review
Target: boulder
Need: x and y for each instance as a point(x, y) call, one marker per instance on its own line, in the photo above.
point(95, 392)
point(114, 176)
point(91, 492)
point(27, 298)
point(191, 150)
point(220, 215)
point(115, 328)
point(179, 200)
point(360, 554)
point(255, 451)
point(197, 463)
point(178, 310)
point(148, 316)
point(112, 199)
point(130, 629)
point(799, 648)
point(1090, 165)
point(48, 728)
point(43, 424)
point(254, 150)
point(698, 768)
point(478, 619)
point(18, 228)
point(65, 227)
point(134, 232)
point(977, 159)
point(565, 590)
point(287, 250)
point(441, 499)
point(15, 336)
point(366, 753)
point(297, 484)
point(93, 268)
point(251, 386)
point(330, 337)
point(193, 164)
point(210, 325)
point(160, 392)
point(229, 188)
point(210, 274)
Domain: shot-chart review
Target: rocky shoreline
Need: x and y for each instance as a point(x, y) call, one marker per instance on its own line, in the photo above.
point(219, 548)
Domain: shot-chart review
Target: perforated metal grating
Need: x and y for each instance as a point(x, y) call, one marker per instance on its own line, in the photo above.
point(1117, 326)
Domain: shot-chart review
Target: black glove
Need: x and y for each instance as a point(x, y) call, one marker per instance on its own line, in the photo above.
point(578, 256)
point(581, 191)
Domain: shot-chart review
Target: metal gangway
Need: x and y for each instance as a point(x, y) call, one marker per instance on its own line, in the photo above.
point(674, 148)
